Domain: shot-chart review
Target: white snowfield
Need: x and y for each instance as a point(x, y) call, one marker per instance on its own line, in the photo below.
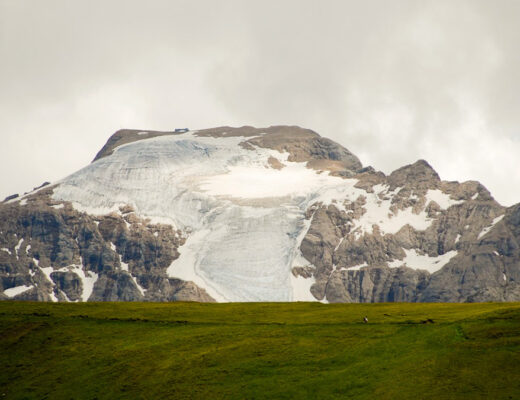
point(14, 291)
point(418, 261)
point(244, 220)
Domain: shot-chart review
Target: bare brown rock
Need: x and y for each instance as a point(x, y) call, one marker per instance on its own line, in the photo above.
point(275, 163)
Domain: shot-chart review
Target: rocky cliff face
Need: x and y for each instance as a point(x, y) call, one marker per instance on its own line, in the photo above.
point(51, 252)
point(247, 214)
point(466, 252)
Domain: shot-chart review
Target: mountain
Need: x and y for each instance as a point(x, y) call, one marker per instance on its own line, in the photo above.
point(248, 214)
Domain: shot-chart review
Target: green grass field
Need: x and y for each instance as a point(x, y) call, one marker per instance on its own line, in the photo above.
point(259, 351)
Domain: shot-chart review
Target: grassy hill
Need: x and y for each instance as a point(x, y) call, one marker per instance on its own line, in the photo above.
point(259, 351)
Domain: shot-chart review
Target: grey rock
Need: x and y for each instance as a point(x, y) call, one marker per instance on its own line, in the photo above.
point(38, 235)
point(11, 197)
point(486, 268)
point(68, 283)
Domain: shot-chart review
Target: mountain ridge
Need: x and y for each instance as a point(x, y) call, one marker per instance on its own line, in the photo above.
point(154, 216)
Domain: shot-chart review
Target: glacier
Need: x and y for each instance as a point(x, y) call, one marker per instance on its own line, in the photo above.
point(242, 219)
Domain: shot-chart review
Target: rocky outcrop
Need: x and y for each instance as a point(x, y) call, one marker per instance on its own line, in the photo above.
point(372, 266)
point(376, 284)
point(419, 176)
point(487, 268)
point(55, 252)
point(305, 145)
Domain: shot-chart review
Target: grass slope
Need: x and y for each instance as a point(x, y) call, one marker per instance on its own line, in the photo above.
point(259, 351)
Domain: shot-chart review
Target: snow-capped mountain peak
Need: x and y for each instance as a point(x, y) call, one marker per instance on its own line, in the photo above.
point(247, 214)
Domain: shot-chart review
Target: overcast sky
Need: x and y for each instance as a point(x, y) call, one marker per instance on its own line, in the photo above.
point(393, 81)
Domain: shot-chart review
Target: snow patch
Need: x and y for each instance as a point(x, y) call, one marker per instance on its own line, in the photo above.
point(58, 206)
point(488, 228)
point(48, 271)
point(14, 291)
point(162, 220)
point(355, 267)
point(6, 250)
point(65, 295)
point(377, 212)
point(416, 261)
point(95, 211)
point(124, 266)
point(301, 288)
point(457, 238)
point(442, 199)
point(17, 247)
point(139, 287)
point(88, 279)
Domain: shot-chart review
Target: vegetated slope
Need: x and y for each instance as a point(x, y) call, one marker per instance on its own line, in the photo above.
point(260, 351)
point(247, 214)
